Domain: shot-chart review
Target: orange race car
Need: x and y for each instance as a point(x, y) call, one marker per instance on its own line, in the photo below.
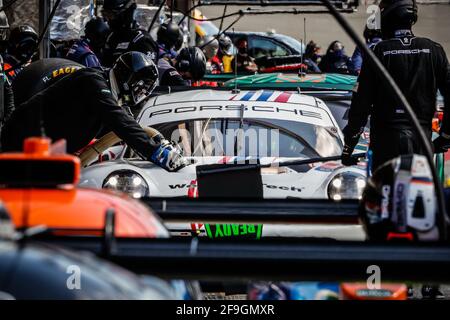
point(38, 188)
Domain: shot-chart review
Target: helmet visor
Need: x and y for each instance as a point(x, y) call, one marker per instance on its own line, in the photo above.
point(141, 89)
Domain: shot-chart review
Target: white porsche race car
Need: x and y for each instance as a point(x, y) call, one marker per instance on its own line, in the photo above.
point(224, 127)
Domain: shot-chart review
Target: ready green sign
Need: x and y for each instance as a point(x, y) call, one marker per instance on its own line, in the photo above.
point(232, 230)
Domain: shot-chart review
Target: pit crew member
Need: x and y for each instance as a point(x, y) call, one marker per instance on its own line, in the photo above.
point(21, 50)
point(88, 49)
point(420, 67)
point(125, 32)
point(190, 65)
point(72, 102)
point(168, 36)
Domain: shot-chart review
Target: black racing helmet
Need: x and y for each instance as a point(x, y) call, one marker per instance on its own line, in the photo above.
point(169, 34)
point(136, 76)
point(97, 31)
point(4, 26)
point(397, 14)
point(192, 60)
point(399, 202)
point(23, 42)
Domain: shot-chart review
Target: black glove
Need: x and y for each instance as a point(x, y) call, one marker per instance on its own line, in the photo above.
point(351, 140)
point(347, 159)
point(441, 144)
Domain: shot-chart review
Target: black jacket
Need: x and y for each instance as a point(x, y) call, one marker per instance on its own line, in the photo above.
point(420, 67)
point(126, 40)
point(74, 105)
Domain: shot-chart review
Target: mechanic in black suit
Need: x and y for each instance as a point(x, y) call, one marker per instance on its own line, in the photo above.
point(420, 67)
point(126, 35)
point(65, 100)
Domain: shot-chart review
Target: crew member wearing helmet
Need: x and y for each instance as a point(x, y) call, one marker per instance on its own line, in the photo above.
point(210, 47)
point(21, 50)
point(190, 65)
point(244, 62)
point(168, 37)
point(126, 34)
point(225, 53)
point(87, 50)
point(420, 67)
point(66, 100)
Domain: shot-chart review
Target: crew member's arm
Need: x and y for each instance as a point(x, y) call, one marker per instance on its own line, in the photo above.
point(442, 143)
point(171, 77)
point(91, 61)
point(362, 100)
point(155, 149)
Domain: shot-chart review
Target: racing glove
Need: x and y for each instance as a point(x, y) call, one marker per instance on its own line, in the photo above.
point(347, 159)
point(168, 157)
point(441, 143)
point(351, 140)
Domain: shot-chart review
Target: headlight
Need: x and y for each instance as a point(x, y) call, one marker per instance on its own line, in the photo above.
point(348, 185)
point(127, 181)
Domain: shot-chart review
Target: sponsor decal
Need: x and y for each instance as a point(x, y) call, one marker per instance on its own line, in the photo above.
point(60, 72)
point(268, 186)
point(374, 293)
point(412, 51)
point(272, 109)
point(233, 230)
point(285, 188)
point(385, 192)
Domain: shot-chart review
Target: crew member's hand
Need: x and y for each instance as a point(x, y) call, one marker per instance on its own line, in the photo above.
point(441, 144)
point(168, 157)
point(347, 159)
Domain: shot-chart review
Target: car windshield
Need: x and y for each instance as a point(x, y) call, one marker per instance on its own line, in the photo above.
point(291, 41)
point(222, 137)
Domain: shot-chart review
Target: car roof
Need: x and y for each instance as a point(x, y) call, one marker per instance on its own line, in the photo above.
point(261, 104)
point(242, 95)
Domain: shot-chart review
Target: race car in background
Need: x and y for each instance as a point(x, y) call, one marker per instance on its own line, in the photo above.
point(275, 126)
